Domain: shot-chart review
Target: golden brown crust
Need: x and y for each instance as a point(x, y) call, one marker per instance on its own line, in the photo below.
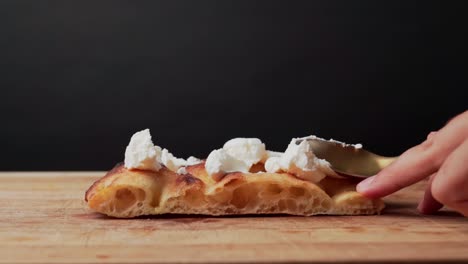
point(117, 168)
point(128, 193)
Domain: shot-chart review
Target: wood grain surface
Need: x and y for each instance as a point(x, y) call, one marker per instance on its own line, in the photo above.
point(43, 219)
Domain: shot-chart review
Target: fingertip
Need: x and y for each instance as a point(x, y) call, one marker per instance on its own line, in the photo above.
point(375, 187)
point(367, 188)
point(365, 184)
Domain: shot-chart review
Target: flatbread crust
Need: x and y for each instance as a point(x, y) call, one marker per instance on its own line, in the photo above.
point(128, 193)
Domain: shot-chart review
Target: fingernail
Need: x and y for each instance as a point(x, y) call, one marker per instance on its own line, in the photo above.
point(365, 184)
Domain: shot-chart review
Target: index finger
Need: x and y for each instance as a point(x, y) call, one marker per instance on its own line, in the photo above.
point(418, 162)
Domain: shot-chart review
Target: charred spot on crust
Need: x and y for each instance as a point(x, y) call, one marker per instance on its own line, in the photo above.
point(188, 179)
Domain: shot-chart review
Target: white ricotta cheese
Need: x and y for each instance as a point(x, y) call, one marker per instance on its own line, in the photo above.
point(298, 159)
point(248, 150)
point(220, 161)
point(141, 152)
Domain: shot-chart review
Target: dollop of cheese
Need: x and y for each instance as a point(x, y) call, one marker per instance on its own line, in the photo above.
point(248, 150)
point(237, 154)
point(192, 161)
point(170, 161)
point(298, 159)
point(220, 161)
point(271, 154)
point(273, 164)
point(141, 153)
point(174, 164)
point(182, 170)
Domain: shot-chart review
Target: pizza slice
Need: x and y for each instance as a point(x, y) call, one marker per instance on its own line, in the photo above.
point(240, 178)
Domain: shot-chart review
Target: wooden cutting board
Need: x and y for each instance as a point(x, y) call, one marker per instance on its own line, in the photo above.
point(43, 219)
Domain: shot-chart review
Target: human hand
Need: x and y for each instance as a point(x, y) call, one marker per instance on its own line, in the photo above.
point(443, 157)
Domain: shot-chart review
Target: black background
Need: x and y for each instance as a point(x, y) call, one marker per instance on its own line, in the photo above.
point(78, 78)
